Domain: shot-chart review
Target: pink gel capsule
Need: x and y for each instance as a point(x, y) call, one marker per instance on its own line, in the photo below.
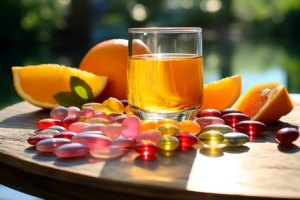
point(36, 138)
point(112, 116)
point(50, 145)
point(118, 120)
point(72, 150)
point(46, 123)
point(205, 121)
point(67, 135)
point(151, 135)
point(130, 127)
point(231, 119)
point(186, 139)
point(210, 113)
point(100, 114)
point(106, 153)
point(112, 131)
point(124, 102)
point(77, 126)
point(59, 112)
point(92, 127)
point(250, 127)
point(68, 121)
point(74, 139)
point(72, 110)
point(123, 142)
point(146, 148)
point(94, 141)
point(229, 110)
point(88, 112)
point(287, 135)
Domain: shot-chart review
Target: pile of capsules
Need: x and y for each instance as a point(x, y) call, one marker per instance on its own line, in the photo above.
point(103, 130)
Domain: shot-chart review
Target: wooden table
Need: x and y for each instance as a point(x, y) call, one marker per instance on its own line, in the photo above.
point(261, 169)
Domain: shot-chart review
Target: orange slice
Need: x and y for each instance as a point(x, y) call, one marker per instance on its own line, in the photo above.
point(265, 102)
point(222, 94)
point(38, 84)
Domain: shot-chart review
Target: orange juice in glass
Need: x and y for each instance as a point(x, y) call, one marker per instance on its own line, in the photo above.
point(165, 75)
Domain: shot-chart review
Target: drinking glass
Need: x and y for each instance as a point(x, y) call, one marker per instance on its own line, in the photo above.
point(165, 75)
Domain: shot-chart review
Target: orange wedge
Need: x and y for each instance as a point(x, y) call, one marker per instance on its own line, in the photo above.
point(222, 94)
point(38, 84)
point(265, 102)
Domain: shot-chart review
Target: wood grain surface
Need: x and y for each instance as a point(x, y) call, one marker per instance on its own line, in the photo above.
point(260, 169)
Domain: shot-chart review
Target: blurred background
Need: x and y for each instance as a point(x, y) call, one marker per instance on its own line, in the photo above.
point(258, 39)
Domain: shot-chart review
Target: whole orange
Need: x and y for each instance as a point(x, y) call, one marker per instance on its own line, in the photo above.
point(109, 58)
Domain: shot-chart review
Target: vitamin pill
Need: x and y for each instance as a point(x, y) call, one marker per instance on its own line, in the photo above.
point(68, 121)
point(186, 139)
point(106, 153)
point(250, 127)
point(146, 148)
point(97, 121)
point(94, 141)
point(235, 139)
point(112, 105)
point(147, 124)
point(151, 135)
point(74, 138)
point(92, 127)
point(112, 116)
point(77, 126)
point(189, 126)
point(59, 113)
point(72, 110)
point(66, 135)
point(124, 102)
point(232, 119)
point(229, 110)
point(222, 128)
point(57, 128)
point(72, 150)
point(168, 129)
point(111, 131)
point(211, 137)
point(127, 110)
point(165, 121)
point(118, 120)
point(210, 113)
point(287, 135)
point(100, 114)
point(205, 121)
point(123, 142)
point(88, 112)
point(46, 123)
point(47, 132)
point(36, 138)
point(50, 145)
point(130, 127)
point(96, 106)
point(167, 142)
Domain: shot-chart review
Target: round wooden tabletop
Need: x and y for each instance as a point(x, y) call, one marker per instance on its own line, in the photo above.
point(260, 169)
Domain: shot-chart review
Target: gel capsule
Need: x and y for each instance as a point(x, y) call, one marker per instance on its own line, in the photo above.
point(100, 114)
point(168, 143)
point(146, 148)
point(92, 127)
point(112, 105)
point(77, 126)
point(47, 132)
point(36, 138)
point(57, 128)
point(287, 135)
point(118, 120)
point(72, 150)
point(111, 131)
point(147, 124)
point(205, 121)
point(250, 127)
point(94, 141)
point(151, 135)
point(59, 113)
point(168, 129)
point(218, 127)
point(210, 113)
point(232, 119)
point(189, 126)
point(74, 138)
point(127, 110)
point(227, 111)
point(165, 121)
point(123, 142)
point(124, 102)
point(96, 106)
point(106, 153)
point(68, 121)
point(130, 127)
point(45, 123)
point(88, 112)
point(72, 110)
point(112, 116)
point(186, 139)
point(97, 121)
point(211, 137)
point(67, 135)
point(235, 139)
point(50, 145)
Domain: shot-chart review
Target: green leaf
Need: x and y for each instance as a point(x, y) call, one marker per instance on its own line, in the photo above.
point(69, 99)
point(81, 89)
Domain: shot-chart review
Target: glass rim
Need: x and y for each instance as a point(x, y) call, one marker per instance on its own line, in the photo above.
point(166, 30)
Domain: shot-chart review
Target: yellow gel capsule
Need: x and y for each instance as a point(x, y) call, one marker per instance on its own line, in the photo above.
point(112, 105)
point(189, 126)
point(96, 106)
point(222, 128)
point(165, 121)
point(147, 125)
point(81, 119)
point(127, 110)
point(211, 137)
point(168, 129)
point(167, 142)
point(97, 121)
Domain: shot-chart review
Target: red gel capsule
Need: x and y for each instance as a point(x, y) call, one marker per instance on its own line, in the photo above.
point(118, 120)
point(186, 139)
point(232, 119)
point(50, 145)
point(287, 135)
point(66, 135)
point(250, 127)
point(146, 148)
point(72, 150)
point(68, 121)
point(36, 138)
point(210, 113)
point(112, 116)
point(46, 123)
point(124, 102)
point(227, 111)
point(100, 114)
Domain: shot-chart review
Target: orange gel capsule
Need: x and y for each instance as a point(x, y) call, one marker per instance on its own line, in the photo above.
point(147, 124)
point(165, 121)
point(189, 126)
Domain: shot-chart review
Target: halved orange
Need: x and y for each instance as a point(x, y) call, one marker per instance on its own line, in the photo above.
point(38, 84)
point(222, 94)
point(265, 102)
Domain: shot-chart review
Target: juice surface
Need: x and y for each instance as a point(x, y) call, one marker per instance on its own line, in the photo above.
point(165, 83)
